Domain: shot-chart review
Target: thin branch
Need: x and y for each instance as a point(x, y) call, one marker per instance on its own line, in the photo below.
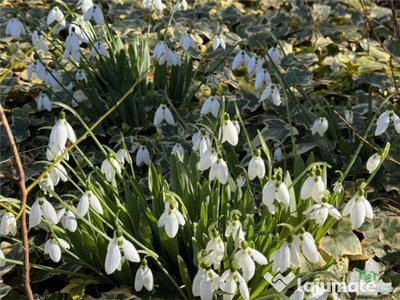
point(24, 194)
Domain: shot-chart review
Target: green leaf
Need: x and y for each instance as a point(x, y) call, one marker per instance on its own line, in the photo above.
point(185, 277)
point(296, 76)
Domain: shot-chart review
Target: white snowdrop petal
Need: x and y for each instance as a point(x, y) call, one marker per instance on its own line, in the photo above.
point(113, 257)
point(130, 251)
point(309, 249)
point(357, 214)
point(49, 212)
point(54, 251)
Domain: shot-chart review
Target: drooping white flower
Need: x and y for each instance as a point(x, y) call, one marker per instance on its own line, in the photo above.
point(275, 189)
point(117, 245)
point(142, 156)
point(208, 158)
point(53, 78)
point(205, 282)
point(36, 37)
point(235, 229)
point(348, 114)
point(266, 93)
point(359, 208)
point(262, 76)
point(219, 170)
point(68, 219)
point(81, 30)
point(123, 156)
point(211, 105)
point(313, 187)
point(98, 48)
point(61, 132)
point(373, 162)
point(337, 186)
point(240, 58)
point(179, 5)
point(42, 207)
point(171, 218)
point(163, 113)
point(229, 131)
point(95, 13)
point(71, 46)
point(201, 141)
point(216, 249)
point(81, 75)
point(187, 41)
point(43, 101)
point(255, 64)
point(229, 283)
point(89, 198)
point(320, 126)
point(305, 241)
point(218, 41)
point(178, 149)
point(273, 53)
point(246, 258)
point(240, 181)
point(52, 247)
point(319, 212)
point(46, 183)
point(286, 256)
point(157, 4)
point(160, 49)
point(15, 28)
point(8, 224)
point(256, 166)
point(36, 67)
point(85, 5)
point(58, 172)
point(109, 166)
point(55, 15)
point(278, 154)
point(276, 96)
point(170, 57)
point(385, 119)
point(144, 277)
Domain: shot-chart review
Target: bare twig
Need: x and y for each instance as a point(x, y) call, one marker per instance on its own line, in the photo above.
point(24, 194)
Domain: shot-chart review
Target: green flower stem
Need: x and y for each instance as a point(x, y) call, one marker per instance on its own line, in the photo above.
point(290, 123)
point(330, 147)
point(245, 131)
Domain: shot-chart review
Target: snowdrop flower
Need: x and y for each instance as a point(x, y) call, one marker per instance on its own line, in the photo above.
point(240, 181)
point(159, 49)
point(8, 224)
point(246, 258)
point(46, 183)
point(348, 114)
point(81, 30)
point(58, 172)
point(278, 154)
point(286, 256)
point(219, 41)
point(179, 5)
point(313, 187)
point(235, 229)
point(52, 247)
point(42, 207)
point(53, 78)
point(144, 277)
point(2, 263)
point(255, 63)
point(319, 212)
point(71, 46)
point(337, 186)
point(266, 93)
point(274, 56)
point(201, 141)
point(187, 41)
point(236, 123)
point(170, 57)
point(211, 105)
point(208, 158)
point(262, 76)
point(229, 131)
point(178, 149)
point(60, 133)
point(15, 28)
point(385, 119)
point(205, 282)
point(219, 170)
point(89, 198)
point(171, 219)
point(95, 13)
point(80, 75)
point(98, 48)
point(373, 162)
point(320, 126)
point(216, 249)
point(142, 156)
point(109, 166)
point(123, 156)
point(68, 219)
point(275, 189)
point(85, 5)
point(36, 37)
point(229, 283)
point(37, 67)
point(114, 248)
point(55, 15)
point(163, 113)
point(276, 96)
point(306, 241)
point(256, 166)
point(157, 4)
point(240, 58)
point(359, 208)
